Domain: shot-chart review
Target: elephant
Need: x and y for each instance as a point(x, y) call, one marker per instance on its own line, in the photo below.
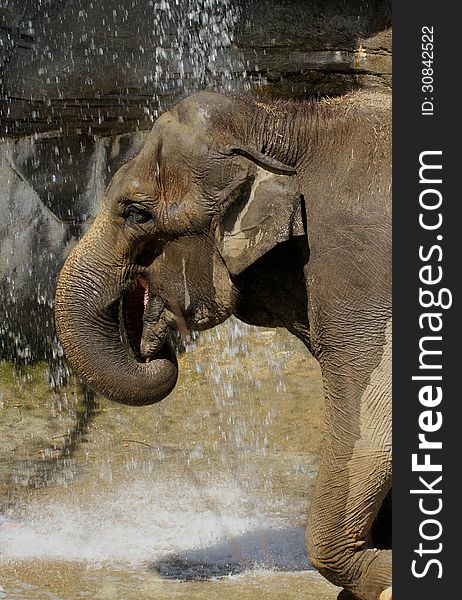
point(277, 212)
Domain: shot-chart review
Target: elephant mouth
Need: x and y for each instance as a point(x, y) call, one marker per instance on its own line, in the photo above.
point(133, 306)
point(145, 321)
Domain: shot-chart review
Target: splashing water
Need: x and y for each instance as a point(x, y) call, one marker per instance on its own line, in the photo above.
point(216, 527)
point(202, 488)
point(196, 55)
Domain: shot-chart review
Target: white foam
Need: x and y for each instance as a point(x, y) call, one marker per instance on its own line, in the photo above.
point(139, 522)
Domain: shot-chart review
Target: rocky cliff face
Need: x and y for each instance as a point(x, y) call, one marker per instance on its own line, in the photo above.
point(82, 81)
point(51, 186)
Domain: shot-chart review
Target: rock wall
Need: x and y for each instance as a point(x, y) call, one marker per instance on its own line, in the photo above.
point(82, 81)
point(110, 65)
point(51, 186)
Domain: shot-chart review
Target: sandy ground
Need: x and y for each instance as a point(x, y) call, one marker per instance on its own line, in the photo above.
point(62, 581)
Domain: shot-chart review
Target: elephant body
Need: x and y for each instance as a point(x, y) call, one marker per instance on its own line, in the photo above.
point(279, 213)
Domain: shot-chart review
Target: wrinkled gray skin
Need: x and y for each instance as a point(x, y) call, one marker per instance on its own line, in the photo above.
point(280, 215)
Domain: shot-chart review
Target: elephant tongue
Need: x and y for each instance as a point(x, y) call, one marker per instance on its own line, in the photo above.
point(144, 284)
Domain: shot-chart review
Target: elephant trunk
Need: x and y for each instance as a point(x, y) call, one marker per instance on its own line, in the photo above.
point(88, 319)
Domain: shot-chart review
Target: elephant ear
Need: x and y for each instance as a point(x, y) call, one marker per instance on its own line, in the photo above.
point(268, 214)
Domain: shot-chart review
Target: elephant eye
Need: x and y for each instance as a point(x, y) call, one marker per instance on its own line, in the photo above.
point(136, 214)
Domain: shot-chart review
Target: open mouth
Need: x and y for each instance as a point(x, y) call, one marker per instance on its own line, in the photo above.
point(145, 321)
point(134, 303)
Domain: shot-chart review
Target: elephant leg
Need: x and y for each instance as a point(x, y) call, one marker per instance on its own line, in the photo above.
point(348, 497)
point(354, 479)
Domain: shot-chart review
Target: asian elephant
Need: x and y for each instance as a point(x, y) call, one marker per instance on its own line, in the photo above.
point(278, 213)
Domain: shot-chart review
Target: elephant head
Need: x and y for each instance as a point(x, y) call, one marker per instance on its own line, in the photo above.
point(207, 196)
